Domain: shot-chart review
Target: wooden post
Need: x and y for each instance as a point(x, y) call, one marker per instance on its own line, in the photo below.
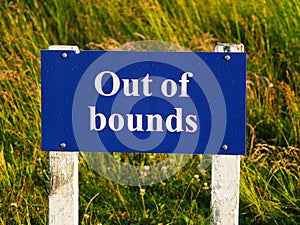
point(63, 198)
point(226, 175)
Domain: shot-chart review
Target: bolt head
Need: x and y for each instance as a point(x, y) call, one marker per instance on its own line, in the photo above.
point(224, 147)
point(63, 145)
point(64, 55)
point(227, 57)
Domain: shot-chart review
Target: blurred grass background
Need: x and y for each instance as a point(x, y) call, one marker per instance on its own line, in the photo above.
point(270, 186)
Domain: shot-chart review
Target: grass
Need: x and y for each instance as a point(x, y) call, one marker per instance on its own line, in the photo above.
point(270, 171)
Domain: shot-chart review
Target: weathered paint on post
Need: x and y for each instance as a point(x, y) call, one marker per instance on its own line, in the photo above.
point(225, 189)
point(63, 198)
point(226, 174)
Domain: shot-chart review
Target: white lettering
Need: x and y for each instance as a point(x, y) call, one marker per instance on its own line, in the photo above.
point(191, 124)
point(115, 83)
point(139, 122)
point(134, 122)
point(173, 88)
point(184, 82)
point(116, 122)
point(135, 87)
point(178, 119)
point(93, 119)
point(150, 123)
point(146, 85)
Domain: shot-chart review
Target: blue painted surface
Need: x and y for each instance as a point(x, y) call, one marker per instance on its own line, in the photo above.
point(216, 102)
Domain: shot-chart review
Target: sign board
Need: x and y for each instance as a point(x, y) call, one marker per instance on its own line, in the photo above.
point(152, 102)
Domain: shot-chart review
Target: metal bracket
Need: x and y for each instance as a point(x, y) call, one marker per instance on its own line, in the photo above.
point(226, 47)
point(65, 47)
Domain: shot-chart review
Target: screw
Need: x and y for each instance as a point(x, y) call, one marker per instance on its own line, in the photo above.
point(227, 57)
point(64, 55)
point(224, 147)
point(63, 145)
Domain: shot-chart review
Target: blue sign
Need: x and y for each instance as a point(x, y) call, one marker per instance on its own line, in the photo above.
point(152, 102)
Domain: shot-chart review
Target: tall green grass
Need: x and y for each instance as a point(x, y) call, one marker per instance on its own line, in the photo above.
point(270, 175)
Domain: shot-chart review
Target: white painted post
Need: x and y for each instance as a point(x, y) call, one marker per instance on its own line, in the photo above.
point(226, 175)
point(63, 198)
